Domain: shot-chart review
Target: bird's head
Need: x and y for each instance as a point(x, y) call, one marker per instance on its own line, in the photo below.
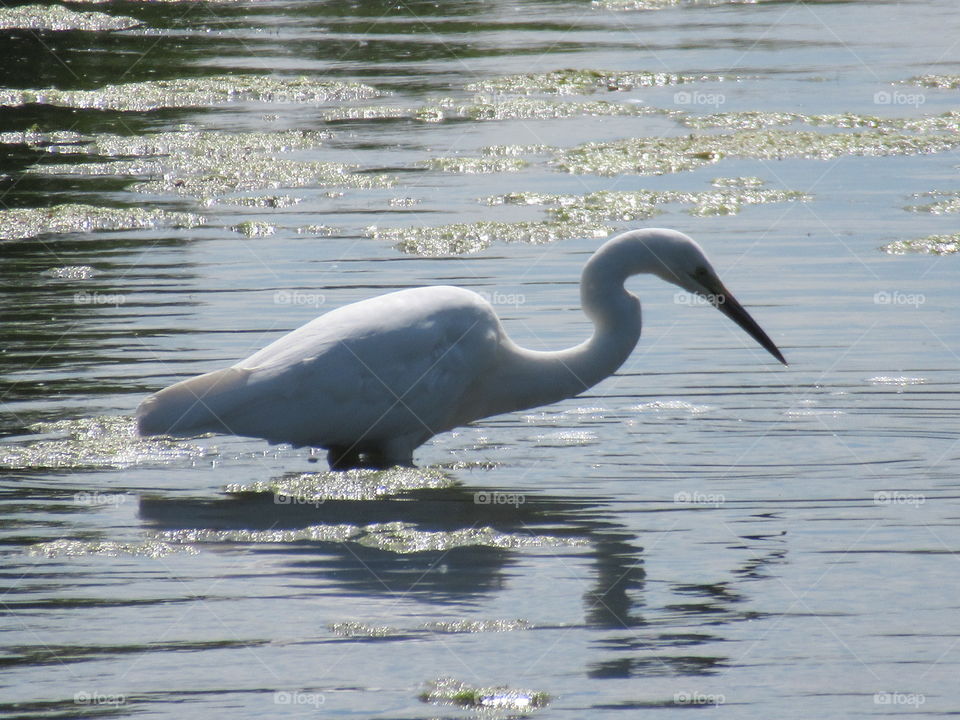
point(679, 260)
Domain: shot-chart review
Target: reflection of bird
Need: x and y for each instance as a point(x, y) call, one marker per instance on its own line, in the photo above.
point(374, 380)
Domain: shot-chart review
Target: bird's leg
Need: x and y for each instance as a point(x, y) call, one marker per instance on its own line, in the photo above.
point(344, 457)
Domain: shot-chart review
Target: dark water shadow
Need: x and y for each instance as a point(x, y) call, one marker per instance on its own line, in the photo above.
point(454, 568)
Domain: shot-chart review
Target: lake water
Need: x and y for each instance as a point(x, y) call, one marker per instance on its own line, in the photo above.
point(183, 182)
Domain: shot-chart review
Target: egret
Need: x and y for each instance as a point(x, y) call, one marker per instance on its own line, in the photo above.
point(372, 381)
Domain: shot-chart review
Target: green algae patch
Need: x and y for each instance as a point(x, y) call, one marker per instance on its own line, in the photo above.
point(455, 627)
point(70, 272)
point(448, 691)
point(255, 228)
point(523, 108)
point(483, 108)
point(210, 164)
point(313, 533)
point(58, 18)
point(395, 537)
point(108, 548)
point(318, 230)
point(354, 629)
point(476, 165)
point(194, 92)
point(945, 203)
point(207, 177)
point(627, 5)
point(942, 82)
point(263, 201)
point(584, 82)
point(189, 140)
point(349, 485)
point(662, 155)
point(948, 122)
point(624, 5)
point(730, 195)
point(21, 223)
point(39, 139)
point(403, 538)
point(363, 630)
point(515, 150)
point(930, 245)
point(466, 238)
point(92, 443)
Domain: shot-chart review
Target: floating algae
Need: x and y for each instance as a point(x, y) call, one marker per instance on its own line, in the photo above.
point(522, 108)
point(583, 82)
point(447, 691)
point(255, 228)
point(21, 223)
point(948, 122)
point(58, 17)
point(313, 533)
point(930, 245)
point(484, 109)
point(465, 238)
point(396, 537)
point(404, 538)
point(194, 92)
point(207, 164)
point(355, 629)
point(208, 177)
point(948, 203)
point(660, 155)
point(97, 442)
point(476, 165)
point(348, 485)
point(624, 5)
point(189, 140)
point(731, 194)
point(944, 82)
point(108, 548)
point(318, 230)
point(71, 272)
point(515, 150)
point(263, 201)
point(40, 139)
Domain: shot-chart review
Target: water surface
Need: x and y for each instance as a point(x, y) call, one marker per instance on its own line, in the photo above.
point(183, 182)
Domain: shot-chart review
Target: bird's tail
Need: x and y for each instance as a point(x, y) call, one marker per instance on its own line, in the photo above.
point(195, 406)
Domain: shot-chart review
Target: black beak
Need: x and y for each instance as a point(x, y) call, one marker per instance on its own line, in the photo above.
point(728, 305)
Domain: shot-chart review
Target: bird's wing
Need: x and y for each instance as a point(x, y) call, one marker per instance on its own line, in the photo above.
point(394, 365)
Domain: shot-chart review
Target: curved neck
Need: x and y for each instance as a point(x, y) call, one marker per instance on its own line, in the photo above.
point(529, 378)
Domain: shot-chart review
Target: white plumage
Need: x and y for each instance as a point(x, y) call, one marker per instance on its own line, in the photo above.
point(374, 380)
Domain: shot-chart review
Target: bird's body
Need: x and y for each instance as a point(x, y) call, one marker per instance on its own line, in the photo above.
point(374, 380)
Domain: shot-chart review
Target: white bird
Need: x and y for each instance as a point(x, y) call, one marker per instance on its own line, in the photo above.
point(372, 381)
